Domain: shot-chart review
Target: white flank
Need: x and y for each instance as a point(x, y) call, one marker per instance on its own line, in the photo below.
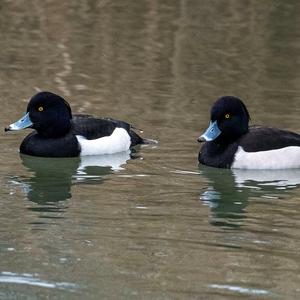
point(118, 141)
point(284, 158)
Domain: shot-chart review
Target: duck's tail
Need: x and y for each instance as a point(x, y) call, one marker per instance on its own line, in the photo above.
point(149, 141)
point(137, 140)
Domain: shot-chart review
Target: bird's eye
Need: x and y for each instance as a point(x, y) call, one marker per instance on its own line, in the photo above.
point(41, 108)
point(227, 116)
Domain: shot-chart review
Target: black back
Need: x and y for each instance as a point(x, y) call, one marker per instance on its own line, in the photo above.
point(93, 128)
point(260, 138)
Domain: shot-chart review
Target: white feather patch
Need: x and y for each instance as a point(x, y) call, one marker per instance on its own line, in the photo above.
point(283, 158)
point(118, 141)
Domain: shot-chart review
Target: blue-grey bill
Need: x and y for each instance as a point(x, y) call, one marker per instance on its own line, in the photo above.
point(211, 133)
point(23, 123)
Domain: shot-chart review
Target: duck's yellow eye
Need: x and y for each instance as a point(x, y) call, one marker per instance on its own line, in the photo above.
point(41, 108)
point(227, 116)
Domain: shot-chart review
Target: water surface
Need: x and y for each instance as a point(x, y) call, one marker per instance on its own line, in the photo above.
point(149, 224)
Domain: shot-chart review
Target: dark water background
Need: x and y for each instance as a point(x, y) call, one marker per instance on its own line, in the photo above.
point(154, 226)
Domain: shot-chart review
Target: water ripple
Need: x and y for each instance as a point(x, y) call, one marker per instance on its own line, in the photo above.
point(242, 290)
point(32, 280)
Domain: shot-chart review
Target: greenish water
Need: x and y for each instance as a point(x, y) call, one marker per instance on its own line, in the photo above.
point(151, 224)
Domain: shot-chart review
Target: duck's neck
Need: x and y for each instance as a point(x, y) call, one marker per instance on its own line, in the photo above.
point(56, 130)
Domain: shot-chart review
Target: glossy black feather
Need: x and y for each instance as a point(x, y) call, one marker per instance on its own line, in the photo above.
point(235, 132)
point(38, 145)
point(217, 155)
point(260, 138)
point(94, 128)
point(56, 128)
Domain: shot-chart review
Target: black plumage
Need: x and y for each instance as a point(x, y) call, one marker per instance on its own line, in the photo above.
point(56, 128)
point(232, 119)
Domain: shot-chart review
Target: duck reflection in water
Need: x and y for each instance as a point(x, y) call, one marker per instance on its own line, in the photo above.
point(52, 178)
point(230, 190)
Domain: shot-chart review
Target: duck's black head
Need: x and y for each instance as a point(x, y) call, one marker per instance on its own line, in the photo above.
point(49, 114)
point(229, 120)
